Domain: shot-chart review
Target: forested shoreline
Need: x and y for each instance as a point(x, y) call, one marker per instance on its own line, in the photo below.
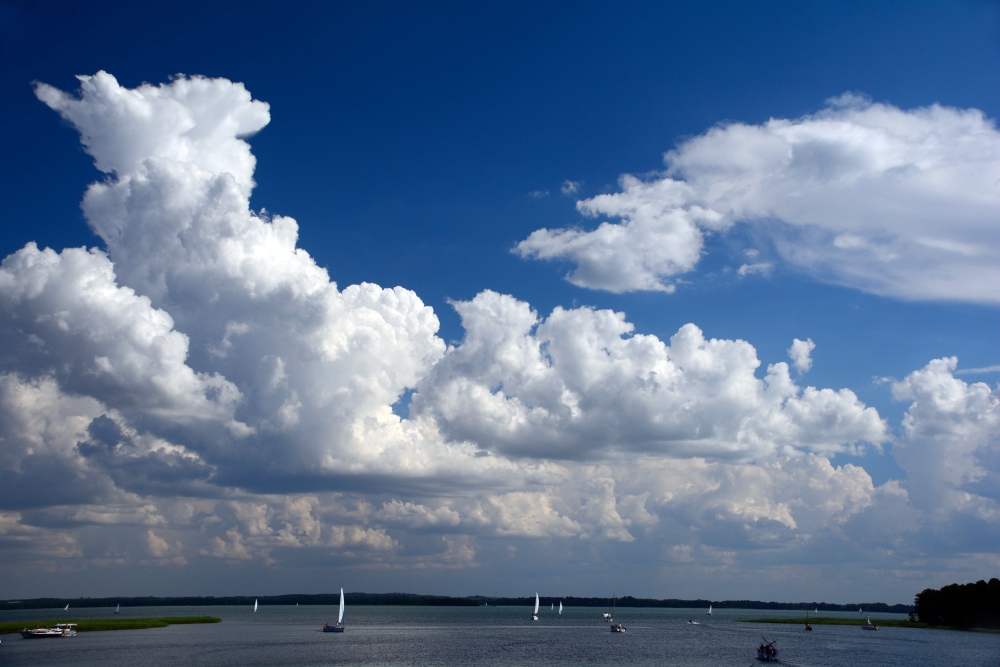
point(439, 600)
point(973, 605)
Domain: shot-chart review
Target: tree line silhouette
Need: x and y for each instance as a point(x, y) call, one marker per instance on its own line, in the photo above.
point(960, 605)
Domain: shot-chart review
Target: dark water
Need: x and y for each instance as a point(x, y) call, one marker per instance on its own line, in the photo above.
point(484, 636)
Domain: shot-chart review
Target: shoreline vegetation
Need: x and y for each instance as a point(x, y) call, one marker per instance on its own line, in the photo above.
point(102, 624)
point(441, 601)
point(881, 622)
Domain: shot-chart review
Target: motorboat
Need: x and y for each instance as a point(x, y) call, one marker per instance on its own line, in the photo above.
point(534, 615)
point(693, 622)
point(617, 627)
point(57, 630)
point(869, 626)
point(767, 652)
point(339, 626)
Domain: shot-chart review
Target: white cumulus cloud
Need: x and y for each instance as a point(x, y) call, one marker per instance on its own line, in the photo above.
point(890, 201)
point(800, 353)
point(579, 385)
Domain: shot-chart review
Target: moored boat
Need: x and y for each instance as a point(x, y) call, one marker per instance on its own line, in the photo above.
point(57, 630)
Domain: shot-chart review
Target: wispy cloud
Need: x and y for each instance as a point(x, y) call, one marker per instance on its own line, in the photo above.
point(570, 187)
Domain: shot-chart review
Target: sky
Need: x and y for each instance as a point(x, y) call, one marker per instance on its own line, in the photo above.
point(691, 300)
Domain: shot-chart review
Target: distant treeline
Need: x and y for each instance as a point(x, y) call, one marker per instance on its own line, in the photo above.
point(438, 600)
point(961, 605)
point(629, 601)
point(238, 600)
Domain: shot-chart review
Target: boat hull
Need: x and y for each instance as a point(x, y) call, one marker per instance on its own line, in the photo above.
point(333, 628)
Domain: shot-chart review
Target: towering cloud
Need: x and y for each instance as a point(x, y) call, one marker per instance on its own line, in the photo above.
point(894, 202)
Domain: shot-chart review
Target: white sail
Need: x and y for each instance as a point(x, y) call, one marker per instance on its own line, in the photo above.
point(66, 608)
point(536, 603)
point(709, 610)
point(118, 609)
point(340, 617)
point(560, 606)
point(255, 606)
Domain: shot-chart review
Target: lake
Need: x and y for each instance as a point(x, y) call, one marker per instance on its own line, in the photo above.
point(381, 636)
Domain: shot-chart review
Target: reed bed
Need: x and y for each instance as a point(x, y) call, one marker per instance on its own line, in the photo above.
point(99, 624)
point(881, 622)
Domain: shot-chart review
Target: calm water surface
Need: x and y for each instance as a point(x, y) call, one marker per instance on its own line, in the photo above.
point(380, 636)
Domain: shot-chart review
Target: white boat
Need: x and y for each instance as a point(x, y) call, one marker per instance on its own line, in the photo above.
point(255, 606)
point(118, 609)
point(709, 610)
point(339, 626)
point(560, 606)
point(57, 630)
point(870, 625)
point(615, 627)
point(534, 616)
point(66, 608)
point(693, 622)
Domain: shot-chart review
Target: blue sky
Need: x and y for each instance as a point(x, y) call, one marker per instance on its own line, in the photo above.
point(418, 147)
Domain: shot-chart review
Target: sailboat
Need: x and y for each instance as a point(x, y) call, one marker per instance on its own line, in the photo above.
point(66, 608)
point(870, 625)
point(339, 627)
point(534, 616)
point(118, 609)
point(552, 607)
point(709, 610)
point(255, 606)
point(560, 606)
point(615, 627)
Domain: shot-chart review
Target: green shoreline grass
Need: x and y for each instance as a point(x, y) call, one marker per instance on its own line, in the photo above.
point(99, 624)
point(881, 622)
